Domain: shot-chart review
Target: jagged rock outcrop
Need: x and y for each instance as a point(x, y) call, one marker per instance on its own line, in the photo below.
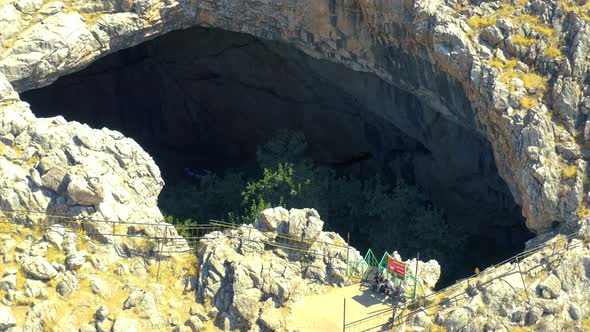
point(522, 66)
point(40, 291)
point(550, 295)
point(506, 58)
point(243, 267)
point(249, 272)
point(51, 168)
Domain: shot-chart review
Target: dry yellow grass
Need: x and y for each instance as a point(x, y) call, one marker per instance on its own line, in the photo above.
point(533, 81)
point(569, 171)
point(55, 255)
point(7, 43)
point(583, 211)
point(573, 6)
point(528, 102)
point(523, 41)
point(480, 22)
point(437, 328)
point(553, 52)
point(509, 64)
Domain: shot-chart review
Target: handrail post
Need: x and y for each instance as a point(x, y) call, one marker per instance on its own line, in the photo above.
point(344, 317)
point(347, 249)
point(160, 255)
point(523, 282)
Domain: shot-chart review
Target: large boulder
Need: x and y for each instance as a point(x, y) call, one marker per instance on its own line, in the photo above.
point(241, 267)
point(39, 268)
point(6, 318)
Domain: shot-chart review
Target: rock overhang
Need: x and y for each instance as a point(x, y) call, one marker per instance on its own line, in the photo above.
point(437, 36)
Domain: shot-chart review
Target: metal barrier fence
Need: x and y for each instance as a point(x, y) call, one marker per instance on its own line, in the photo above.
point(166, 243)
point(461, 289)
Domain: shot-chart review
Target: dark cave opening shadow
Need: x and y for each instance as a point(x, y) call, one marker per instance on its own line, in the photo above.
point(150, 112)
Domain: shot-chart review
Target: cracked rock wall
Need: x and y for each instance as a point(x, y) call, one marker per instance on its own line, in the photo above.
point(530, 100)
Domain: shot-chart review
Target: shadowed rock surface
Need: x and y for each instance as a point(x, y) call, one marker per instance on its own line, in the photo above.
point(210, 103)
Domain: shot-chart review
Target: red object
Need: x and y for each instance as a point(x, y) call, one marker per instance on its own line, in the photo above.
point(396, 266)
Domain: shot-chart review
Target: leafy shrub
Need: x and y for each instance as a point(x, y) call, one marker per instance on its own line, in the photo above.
point(376, 214)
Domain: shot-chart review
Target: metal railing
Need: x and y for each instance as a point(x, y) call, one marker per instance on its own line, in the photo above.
point(461, 288)
point(165, 243)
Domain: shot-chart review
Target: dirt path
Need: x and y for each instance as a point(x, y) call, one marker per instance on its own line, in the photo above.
point(323, 312)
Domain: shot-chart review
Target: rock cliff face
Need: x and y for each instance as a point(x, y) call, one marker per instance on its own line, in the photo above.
point(521, 66)
point(515, 72)
point(56, 168)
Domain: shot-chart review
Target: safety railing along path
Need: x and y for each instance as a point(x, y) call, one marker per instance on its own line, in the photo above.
point(461, 288)
point(165, 244)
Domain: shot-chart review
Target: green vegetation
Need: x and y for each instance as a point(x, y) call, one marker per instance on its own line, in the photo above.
point(376, 214)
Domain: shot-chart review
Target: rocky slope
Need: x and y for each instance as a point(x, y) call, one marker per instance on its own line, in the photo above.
point(523, 66)
point(551, 294)
point(56, 278)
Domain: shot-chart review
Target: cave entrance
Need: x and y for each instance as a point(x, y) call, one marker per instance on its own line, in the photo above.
point(202, 100)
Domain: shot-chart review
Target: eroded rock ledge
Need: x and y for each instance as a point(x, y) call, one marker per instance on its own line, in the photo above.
point(522, 66)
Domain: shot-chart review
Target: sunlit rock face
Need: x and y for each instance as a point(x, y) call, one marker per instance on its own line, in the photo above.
point(207, 104)
point(417, 46)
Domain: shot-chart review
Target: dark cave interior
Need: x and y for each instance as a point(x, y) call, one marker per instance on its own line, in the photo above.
point(204, 99)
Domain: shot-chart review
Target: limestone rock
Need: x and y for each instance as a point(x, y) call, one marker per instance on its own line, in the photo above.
point(533, 315)
point(75, 260)
point(270, 219)
point(420, 321)
point(98, 287)
point(271, 318)
point(195, 324)
point(39, 268)
point(126, 325)
point(87, 328)
point(36, 289)
point(55, 235)
point(550, 287)
point(68, 284)
point(457, 320)
point(84, 191)
point(8, 281)
point(102, 313)
point(6, 318)
point(39, 249)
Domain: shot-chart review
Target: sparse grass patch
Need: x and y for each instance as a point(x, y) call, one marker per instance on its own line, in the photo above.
point(533, 81)
point(535, 24)
point(437, 328)
point(505, 11)
point(55, 255)
point(144, 245)
point(480, 22)
point(20, 280)
point(49, 324)
point(583, 211)
point(7, 228)
point(583, 11)
point(23, 301)
point(523, 41)
point(553, 52)
point(497, 63)
point(2, 149)
point(569, 171)
point(528, 102)
point(7, 43)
